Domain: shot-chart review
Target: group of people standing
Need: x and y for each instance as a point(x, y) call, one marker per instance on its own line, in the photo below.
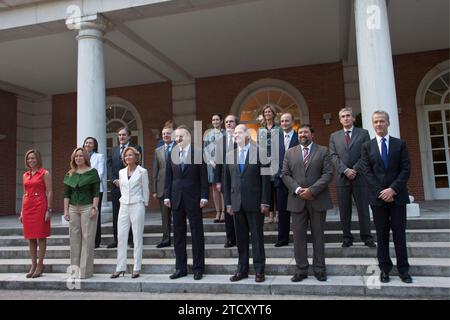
point(373, 172)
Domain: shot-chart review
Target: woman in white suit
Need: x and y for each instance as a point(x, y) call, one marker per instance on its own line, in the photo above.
point(90, 144)
point(133, 181)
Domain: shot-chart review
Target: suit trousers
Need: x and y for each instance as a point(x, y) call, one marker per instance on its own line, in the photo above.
point(82, 237)
point(115, 195)
point(229, 228)
point(359, 192)
point(300, 221)
point(197, 235)
point(253, 223)
point(386, 217)
point(98, 234)
point(133, 214)
point(284, 216)
point(166, 216)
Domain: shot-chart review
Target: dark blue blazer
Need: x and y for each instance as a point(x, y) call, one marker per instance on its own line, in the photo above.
point(186, 187)
point(395, 176)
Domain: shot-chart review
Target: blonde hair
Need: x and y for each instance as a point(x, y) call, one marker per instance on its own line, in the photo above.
point(38, 156)
point(73, 165)
point(136, 153)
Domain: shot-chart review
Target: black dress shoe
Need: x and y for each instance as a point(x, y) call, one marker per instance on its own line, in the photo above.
point(131, 245)
point(112, 245)
point(384, 277)
point(178, 274)
point(238, 276)
point(321, 276)
point(299, 277)
point(97, 246)
point(347, 243)
point(229, 244)
point(163, 244)
point(281, 244)
point(406, 278)
point(370, 243)
point(198, 275)
point(260, 277)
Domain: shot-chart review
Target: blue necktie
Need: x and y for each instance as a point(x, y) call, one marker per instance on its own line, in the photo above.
point(384, 152)
point(242, 160)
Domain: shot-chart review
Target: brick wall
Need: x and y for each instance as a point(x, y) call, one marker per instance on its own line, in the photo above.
point(8, 126)
point(409, 70)
point(153, 102)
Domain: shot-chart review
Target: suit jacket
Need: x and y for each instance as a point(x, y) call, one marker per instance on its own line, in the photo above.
point(249, 189)
point(159, 171)
point(98, 162)
point(136, 188)
point(317, 176)
point(347, 156)
point(115, 163)
point(395, 176)
point(294, 142)
point(189, 185)
point(221, 157)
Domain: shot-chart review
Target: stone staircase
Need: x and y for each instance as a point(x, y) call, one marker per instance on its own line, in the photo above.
point(351, 271)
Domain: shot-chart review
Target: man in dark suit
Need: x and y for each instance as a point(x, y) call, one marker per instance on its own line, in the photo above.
point(307, 172)
point(115, 164)
point(386, 167)
point(186, 191)
point(159, 174)
point(247, 198)
point(226, 146)
point(288, 140)
point(345, 151)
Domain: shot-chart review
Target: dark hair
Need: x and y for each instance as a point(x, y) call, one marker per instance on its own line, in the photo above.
point(217, 114)
point(236, 119)
point(306, 125)
point(95, 143)
point(127, 130)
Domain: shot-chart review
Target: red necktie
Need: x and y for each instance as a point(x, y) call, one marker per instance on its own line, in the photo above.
point(347, 136)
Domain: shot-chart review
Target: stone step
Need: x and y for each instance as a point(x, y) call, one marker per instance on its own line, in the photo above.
point(422, 287)
point(414, 235)
point(358, 250)
point(412, 223)
point(274, 266)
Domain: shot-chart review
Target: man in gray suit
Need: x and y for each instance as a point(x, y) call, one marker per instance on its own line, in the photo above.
point(345, 151)
point(159, 174)
point(247, 198)
point(307, 172)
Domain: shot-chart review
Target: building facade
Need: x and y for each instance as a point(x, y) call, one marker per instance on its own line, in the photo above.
point(71, 69)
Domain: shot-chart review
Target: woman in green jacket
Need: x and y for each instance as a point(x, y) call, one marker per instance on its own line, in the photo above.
point(81, 194)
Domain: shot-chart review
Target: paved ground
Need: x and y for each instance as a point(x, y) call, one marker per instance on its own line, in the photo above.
point(94, 295)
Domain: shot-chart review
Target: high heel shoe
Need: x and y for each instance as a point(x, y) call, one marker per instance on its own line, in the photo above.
point(31, 272)
point(135, 274)
point(38, 272)
point(117, 274)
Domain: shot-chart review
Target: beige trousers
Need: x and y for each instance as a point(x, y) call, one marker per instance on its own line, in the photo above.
point(82, 231)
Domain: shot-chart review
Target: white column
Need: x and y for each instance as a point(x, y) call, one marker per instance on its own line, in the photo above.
point(91, 114)
point(376, 72)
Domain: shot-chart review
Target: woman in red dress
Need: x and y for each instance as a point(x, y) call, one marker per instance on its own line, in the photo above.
point(36, 209)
